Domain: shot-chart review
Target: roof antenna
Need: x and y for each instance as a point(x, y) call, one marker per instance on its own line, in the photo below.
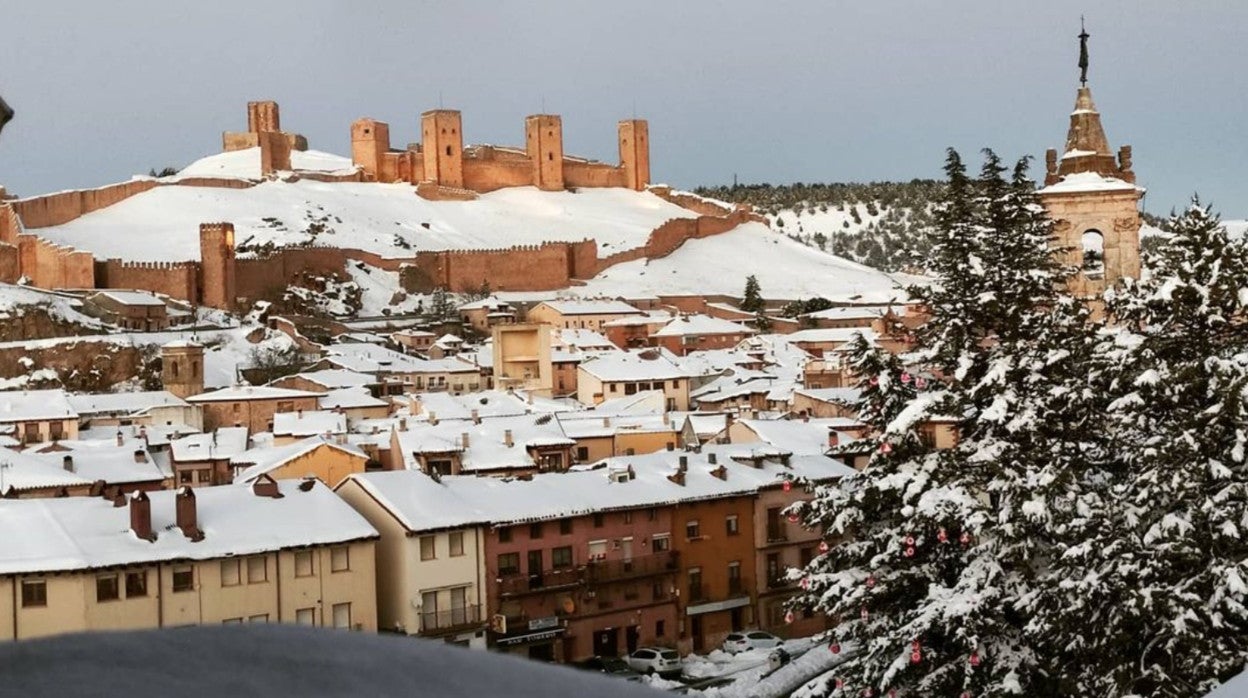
point(1083, 53)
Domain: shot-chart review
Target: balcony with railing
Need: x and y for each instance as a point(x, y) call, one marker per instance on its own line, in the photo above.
point(435, 622)
point(597, 572)
point(641, 566)
point(776, 533)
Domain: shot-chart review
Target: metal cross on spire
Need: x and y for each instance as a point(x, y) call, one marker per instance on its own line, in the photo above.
point(1083, 52)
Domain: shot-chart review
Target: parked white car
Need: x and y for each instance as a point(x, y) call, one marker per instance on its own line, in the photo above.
point(655, 660)
point(750, 640)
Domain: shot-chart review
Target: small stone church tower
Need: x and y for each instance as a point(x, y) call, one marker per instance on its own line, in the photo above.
point(182, 368)
point(1093, 200)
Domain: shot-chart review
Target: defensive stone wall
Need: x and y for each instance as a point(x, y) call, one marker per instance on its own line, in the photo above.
point(175, 279)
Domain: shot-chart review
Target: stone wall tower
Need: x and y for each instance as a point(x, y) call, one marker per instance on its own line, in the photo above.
point(182, 368)
point(263, 116)
point(370, 141)
point(1093, 201)
point(634, 135)
point(216, 266)
point(442, 139)
point(543, 139)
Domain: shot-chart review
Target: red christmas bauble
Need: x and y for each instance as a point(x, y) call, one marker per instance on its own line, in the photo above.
point(942, 536)
point(910, 551)
point(788, 617)
point(787, 486)
point(965, 538)
point(916, 657)
point(805, 583)
point(840, 683)
point(920, 382)
point(870, 580)
point(905, 378)
point(793, 518)
point(909, 540)
point(974, 658)
point(915, 645)
point(823, 546)
point(886, 447)
point(875, 380)
point(865, 614)
point(835, 648)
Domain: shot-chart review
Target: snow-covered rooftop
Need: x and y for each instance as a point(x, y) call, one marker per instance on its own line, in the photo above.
point(28, 405)
point(95, 404)
point(302, 423)
point(242, 393)
point(245, 164)
point(699, 324)
point(642, 365)
point(221, 444)
point(1087, 181)
point(77, 533)
point(262, 461)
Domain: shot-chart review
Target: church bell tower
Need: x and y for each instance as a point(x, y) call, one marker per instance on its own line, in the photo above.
point(1092, 198)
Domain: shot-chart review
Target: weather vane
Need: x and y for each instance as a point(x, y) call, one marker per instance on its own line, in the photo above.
point(1083, 53)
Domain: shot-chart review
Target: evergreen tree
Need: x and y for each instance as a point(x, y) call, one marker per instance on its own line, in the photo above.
point(752, 299)
point(939, 553)
point(441, 306)
point(762, 323)
point(1165, 578)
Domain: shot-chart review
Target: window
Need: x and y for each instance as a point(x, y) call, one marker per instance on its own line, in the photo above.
point(232, 621)
point(660, 628)
point(658, 591)
point(136, 584)
point(599, 520)
point(805, 555)
point(339, 559)
point(535, 531)
point(183, 579)
point(732, 524)
point(661, 542)
point(504, 535)
point(257, 569)
point(693, 530)
point(106, 588)
point(628, 517)
point(561, 557)
point(286, 406)
point(429, 610)
point(456, 540)
point(615, 388)
point(428, 547)
point(34, 593)
point(582, 453)
point(565, 526)
point(258, 618)
point(508, 564)
point(305, 616)
point(184, 476)
point(695, 583)
point(230, 573)
point(734, 577)
point(342, 615)
point(303, 563)
point(597, 549)
point(652, 514)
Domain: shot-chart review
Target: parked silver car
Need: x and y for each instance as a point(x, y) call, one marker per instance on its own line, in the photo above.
point(655, 660)
point(750, 640)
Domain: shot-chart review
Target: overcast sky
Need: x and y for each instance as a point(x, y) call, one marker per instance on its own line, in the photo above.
point(776, 91)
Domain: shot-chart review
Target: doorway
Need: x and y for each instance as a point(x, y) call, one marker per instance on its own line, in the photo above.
point(632, 638)
point(699, 641)
point(607, 642)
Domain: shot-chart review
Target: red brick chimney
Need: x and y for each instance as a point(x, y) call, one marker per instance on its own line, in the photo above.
point(141, 516)
point(186, 518)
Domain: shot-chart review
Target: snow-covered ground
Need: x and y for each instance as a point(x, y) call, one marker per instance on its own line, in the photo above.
point(829, 222)
point(749, 675)
point(719, 264)
point(245, 164)
point(387, 219)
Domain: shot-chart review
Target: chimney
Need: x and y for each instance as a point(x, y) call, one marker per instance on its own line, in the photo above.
point(834, 439)
point(463, 439)
point(684, 463)
point(476, 417)
point(186, 519)
point(678, 478)
point(119, 500)
point(141, 516)
point(805, 416)
point(435, 475)
point(712, 458)
point(120, 439)
point(433, 419)
point(266, 486)
point(402, 423)
point(721, 472)
point(671, 446)
point(140, 456)
point(606, 421)
point(67, 462)
point(299, 414)
point(143, 433)
point(507, 438)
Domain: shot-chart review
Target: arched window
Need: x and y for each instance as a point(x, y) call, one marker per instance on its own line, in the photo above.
point(173, 368)
point(194, 369)
point(448, 150)
point(1093, 244)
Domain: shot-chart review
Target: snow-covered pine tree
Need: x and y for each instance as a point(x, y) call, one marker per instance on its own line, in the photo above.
point(752, 297)
point(1165, 579)
point(936, 553)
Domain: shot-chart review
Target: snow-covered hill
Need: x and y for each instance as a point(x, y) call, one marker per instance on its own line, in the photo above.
point(387, 219)
point(718, 265)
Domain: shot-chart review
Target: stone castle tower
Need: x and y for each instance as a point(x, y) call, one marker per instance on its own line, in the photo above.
point(635, 152)
point(216, 252)
point(182, 368)
point(443, 142)
point(1093, 200)
point(543, 141)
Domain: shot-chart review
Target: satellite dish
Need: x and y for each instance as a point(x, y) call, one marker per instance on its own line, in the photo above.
point(569, 606)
